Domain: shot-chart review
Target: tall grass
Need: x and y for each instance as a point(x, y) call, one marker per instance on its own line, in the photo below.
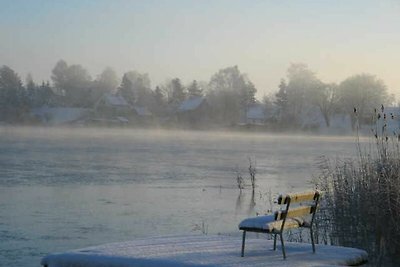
point(361, 203)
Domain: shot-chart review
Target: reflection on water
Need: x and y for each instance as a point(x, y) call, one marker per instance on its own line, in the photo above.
point(252, 205)
point(64, 189)
point(239, 202)
point(263, 204)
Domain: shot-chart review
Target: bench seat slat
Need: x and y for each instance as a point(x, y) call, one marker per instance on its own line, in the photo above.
point(277, 225)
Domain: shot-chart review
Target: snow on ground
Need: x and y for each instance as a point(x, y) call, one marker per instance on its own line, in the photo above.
point(204, 250)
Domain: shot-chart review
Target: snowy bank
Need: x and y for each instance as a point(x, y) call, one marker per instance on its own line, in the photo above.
point(204, 251)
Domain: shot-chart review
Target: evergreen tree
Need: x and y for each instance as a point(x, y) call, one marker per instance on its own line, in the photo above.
point(159, 96)
point(135, 87)
point(159, 99)
point(13, 97)
point(30, 89)
point(194, 89)
point(126, 89)
point(282, 98)
point(178, 93)
point(44, 95)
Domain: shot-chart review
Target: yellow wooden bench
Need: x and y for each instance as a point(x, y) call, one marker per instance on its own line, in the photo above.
point(297, 210)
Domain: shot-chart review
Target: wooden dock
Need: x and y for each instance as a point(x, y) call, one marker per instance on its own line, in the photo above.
point(204, 250)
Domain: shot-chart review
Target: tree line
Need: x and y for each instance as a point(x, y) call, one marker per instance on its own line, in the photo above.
point(229, 93)
point(356, 96)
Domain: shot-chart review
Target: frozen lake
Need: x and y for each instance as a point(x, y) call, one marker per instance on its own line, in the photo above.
point(62, 189)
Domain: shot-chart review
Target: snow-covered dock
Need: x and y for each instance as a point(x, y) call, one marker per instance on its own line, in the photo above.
point(204, 251)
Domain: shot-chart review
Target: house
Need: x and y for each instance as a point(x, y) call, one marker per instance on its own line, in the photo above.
point(312, 119)
point(193, 110)
point(142, 114)
point(59, 115)
point(112, 105)
point(255, 114)
point(112, 109)
point(258, 114)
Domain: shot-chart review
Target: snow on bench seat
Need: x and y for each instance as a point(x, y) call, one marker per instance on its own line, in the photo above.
point(201, 250)
point(267, 223)
point(258, 222)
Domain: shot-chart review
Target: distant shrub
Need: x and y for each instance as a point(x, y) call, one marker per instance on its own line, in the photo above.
point(252, 172)
point(240, 182)
point(239, 179)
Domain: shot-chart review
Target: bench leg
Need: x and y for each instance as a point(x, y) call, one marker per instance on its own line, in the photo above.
point(274, 241)
point(283, 247)
point(243, 242)
point(312, 239)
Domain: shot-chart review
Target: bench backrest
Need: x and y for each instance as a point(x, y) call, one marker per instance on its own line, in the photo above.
point(298, 197)
point(307, 205)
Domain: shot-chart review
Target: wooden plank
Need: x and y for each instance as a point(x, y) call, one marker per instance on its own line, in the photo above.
point(299, 211)
point(277, 225)
point(295, 212)
point(298, 197)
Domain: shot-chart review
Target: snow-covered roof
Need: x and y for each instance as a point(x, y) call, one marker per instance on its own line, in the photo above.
point(205, 250)
point(115, 100)
point(259, 222)
point(122, 119)
point(256, 112)
point(142, 111)
point(59, 115)
point(191, 103)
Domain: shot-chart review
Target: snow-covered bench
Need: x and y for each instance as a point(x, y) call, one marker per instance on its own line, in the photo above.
point(297, 210)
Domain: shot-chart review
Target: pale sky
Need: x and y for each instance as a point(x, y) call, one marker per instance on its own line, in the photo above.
point(194, 39)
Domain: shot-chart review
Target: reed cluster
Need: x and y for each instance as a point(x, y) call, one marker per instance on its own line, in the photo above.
point(361, 202)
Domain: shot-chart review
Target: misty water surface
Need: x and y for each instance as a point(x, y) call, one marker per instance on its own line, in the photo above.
point(63, 189)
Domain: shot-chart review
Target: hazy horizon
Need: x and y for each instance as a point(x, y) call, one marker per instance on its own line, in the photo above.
point(194, 39)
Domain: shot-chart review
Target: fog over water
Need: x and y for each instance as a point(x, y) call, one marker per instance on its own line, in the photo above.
point(65, 188)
